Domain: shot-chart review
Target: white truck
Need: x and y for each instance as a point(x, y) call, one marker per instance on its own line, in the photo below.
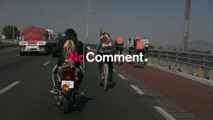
point(36, 40)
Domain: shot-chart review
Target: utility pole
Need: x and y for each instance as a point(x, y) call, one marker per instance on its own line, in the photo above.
point(87, 30)
point(44, 19)
point(88, 19)
point(186, 26)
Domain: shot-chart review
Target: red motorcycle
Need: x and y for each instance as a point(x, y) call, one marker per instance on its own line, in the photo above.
point(67, 80)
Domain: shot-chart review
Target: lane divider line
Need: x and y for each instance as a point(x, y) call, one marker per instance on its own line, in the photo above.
point(122, 77)
point(137, 90)
point(8, 87)
point(46, 62)
point(166, 115)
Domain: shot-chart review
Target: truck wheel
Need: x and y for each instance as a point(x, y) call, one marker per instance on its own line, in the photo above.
point(22, 53)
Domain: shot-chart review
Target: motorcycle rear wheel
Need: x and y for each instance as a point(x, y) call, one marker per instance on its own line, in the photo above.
point(65, 105)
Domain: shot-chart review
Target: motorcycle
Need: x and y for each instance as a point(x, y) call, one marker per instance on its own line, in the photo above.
point(68, 91)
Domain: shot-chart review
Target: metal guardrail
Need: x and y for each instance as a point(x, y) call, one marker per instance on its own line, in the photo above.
point(196, 59)
point(7, 45)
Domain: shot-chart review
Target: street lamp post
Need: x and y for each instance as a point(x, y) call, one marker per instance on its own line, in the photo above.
point(87, 29)
point(88, 19)
point(186, 26)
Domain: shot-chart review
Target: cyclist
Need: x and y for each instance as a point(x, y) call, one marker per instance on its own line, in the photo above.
point(139, 46)
point(131, 44)
point(119, 44)
point(106, 46)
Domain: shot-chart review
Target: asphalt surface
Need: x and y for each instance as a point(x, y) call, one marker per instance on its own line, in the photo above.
point(25, 82)
point(187, 96)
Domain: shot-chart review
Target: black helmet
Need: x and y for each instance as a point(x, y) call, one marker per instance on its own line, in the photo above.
point(102, 32)
point(70, 31)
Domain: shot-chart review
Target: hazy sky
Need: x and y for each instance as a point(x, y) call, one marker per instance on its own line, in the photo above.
point(161, 21)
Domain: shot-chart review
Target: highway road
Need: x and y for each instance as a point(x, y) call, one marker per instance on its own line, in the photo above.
point(25, 83)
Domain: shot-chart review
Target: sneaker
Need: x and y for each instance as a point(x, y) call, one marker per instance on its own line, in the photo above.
point(54, 91)
point(58, 103)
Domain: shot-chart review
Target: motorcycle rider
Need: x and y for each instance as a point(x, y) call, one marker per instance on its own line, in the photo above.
point(105, 39)
point(58, 52)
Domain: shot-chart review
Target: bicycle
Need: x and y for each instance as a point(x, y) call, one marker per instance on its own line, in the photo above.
point(141, 64)
point(118, 53)
point(132, 52)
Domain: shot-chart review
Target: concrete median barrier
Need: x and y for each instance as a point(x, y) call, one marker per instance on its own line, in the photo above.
point(196, 71)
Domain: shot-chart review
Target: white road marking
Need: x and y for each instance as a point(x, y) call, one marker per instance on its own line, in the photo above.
point(166, 115)
point(47, 62)
point(8, 87)
point(137, 90)
point(16, 55)
point(121, 76)
point(114, 70)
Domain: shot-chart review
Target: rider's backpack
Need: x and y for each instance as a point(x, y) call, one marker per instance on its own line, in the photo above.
point(119, 40)
point(139, 45)
point(69, 46)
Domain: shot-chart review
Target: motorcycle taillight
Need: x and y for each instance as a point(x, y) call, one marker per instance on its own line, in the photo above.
point(68, 72)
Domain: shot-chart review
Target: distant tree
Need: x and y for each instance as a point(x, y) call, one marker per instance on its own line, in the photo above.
point(8, 32)
point(174, 49)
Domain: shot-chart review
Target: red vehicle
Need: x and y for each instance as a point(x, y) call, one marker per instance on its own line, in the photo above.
point(36, 40)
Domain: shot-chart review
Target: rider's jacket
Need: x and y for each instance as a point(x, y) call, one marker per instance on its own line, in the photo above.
point(59, 49)
point(105, 46)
